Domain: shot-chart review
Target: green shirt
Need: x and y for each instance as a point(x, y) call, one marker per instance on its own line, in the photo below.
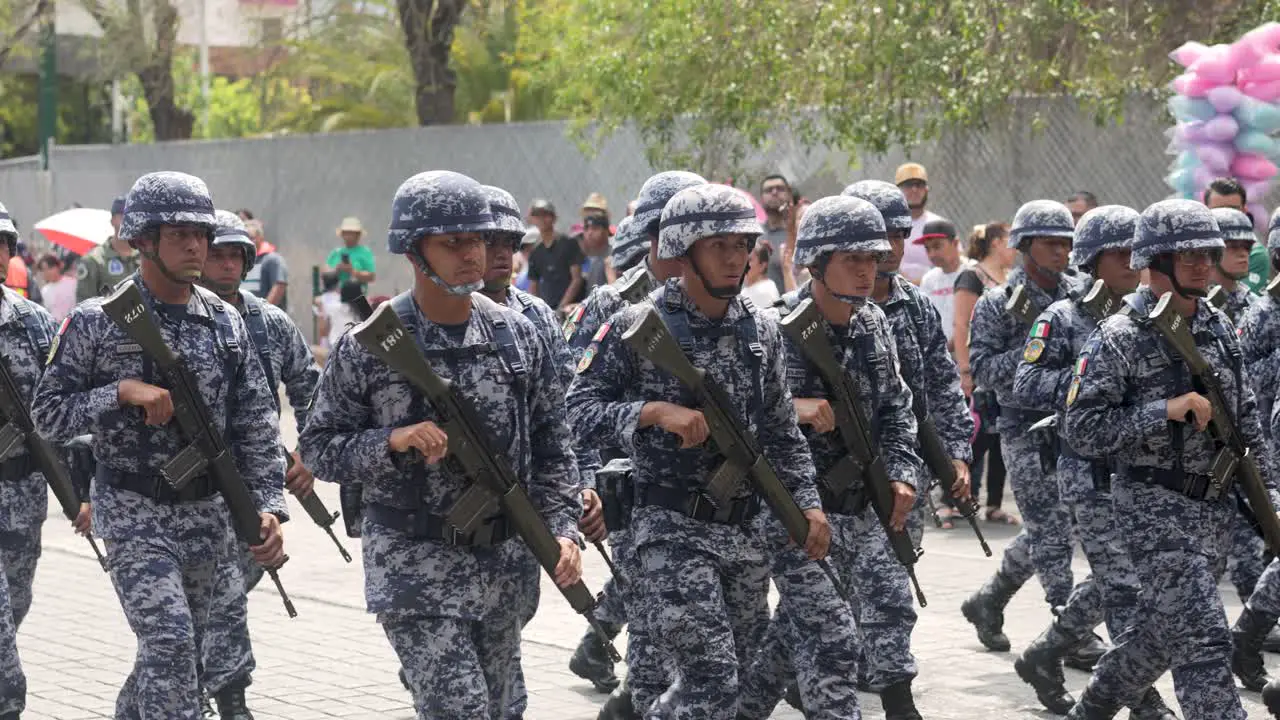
point(361, 259)
point(102, 268)
point(1259, 269)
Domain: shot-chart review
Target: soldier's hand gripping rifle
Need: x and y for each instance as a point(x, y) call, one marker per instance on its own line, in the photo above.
point(804, 326)
point(651, 338)
point(316, 509)
point(207, 453)
point(494, 485)
point(18, 428)
point(1234, 459)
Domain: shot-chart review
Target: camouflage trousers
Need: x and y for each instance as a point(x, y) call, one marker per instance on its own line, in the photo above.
point(1046, 521)
point(19, 552)
point(1110, 594)
point(165, 586)
point(1245, 564)
point(648, 674)
point(226, 652)
point(456, 668)
point(1266, 596)
point(1015, 562)
point(706, 612)
point(1178, 547)
point(813, 637)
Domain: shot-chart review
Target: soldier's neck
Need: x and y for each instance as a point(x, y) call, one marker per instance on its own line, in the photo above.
point(1184, 306)
point(880, 291)
point(834, 310)
point(1042, 279)
point(438, 305)
point(1228, 284)
point(163, 288)
point(713, 307)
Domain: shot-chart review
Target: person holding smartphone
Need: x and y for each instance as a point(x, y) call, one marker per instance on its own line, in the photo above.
point(352, 261)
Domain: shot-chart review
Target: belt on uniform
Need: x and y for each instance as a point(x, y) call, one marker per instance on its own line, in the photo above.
point(17, 468)
point(1192, 485)
point(1023, 417)
point(849, 502)
point(421, 525)
point(698, 506)
point(1100, 469)
point(159, 489)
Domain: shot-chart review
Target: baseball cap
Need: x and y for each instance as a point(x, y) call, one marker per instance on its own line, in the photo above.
point(542, 205)
point(117, 206)
point(531, 237)
point(595, 221)
point(910, 171)
point(596, 201)
point(940, 228)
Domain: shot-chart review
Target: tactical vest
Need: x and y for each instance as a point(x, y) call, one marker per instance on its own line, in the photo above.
point(37, 333)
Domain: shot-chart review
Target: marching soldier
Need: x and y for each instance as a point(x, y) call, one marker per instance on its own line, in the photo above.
point(702, 567)
point(1229, 274)
point(164, 544)
point(1131, 399)
point(451, 604)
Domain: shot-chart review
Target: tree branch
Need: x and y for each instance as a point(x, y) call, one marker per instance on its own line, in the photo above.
point(41, 7)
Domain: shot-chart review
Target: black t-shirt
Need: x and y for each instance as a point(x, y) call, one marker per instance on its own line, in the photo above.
point(969, 280)
point(550, 268)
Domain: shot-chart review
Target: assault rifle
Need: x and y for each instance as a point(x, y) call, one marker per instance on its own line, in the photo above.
point(207, 453)
point(494, 486)
point(651, 338)
point(18, 428)
point(1022, 306)
point(804, 326)
point(1101, 302)
point(316, 509)
point(1234, 461)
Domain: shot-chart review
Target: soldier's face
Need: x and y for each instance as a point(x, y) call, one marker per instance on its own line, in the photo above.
point(897, 244)
point(497, 269)
point(721, 259)
point(1192, 268)
point(851, 273)
point(1113, 269)
point(1235, 259)
point(183, 249)
point(1050, 253)
point(458, 259)
point(223, 269)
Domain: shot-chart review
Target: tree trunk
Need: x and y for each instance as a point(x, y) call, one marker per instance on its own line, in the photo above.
point(428, 35)
point(171, 122)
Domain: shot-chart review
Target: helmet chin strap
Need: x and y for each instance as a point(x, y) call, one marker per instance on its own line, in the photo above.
point(1040, 269)
point(1234, 276)
point(1164, 265)
point(457, 290)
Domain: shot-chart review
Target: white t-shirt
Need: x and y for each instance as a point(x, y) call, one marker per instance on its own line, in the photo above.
point(339, 314)
point(940, 288)
point(915, 260)
point(59, 297)
point(764, 293)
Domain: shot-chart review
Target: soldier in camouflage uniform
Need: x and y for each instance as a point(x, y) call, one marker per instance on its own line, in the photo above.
point(1042, 231)
point(26, 331)
point(451, 605)
point(841, 240)
point(1130, 399)
point(164, 545)
point(285, 356)
point(1259, 328)
point(1103, 241)
point(106, 265)
point(634, 253)
point(702, 567)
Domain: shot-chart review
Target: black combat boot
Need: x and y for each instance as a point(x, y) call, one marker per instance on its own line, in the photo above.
point(897, 702)
point(1040, 666)
point(1093, 708)
point(1271, 698)
point(619, 705)
point(591, 660)
point(1152, 707)
point(1085, 655)
point(985, 609)
point(231, 706)
point(1246, 658)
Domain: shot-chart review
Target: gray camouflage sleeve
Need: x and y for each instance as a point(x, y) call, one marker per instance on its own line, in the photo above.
point(780, 438)
point(65, 404)
point(1042, 377)
point(594, 403)
point(895, 418)
point(1099, 422)
point(256, 431)
point(992, 365)
point(553, 482)
point(946, 401)
point(299, 373)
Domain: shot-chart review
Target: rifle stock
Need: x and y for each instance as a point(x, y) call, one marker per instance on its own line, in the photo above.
point(1022, 306)
point(804, 325)
point(1176, 332)
point(651, 338)
point(1101, 302)
point(494, 485)
point(207, 451)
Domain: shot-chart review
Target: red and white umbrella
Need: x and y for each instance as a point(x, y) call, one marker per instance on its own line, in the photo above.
point(78, 229)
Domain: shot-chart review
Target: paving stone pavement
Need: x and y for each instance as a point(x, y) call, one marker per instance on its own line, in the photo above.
point(333, 660)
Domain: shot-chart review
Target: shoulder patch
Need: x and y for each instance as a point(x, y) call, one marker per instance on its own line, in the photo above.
point(590, 354)
point(115, 267)
point(601, 333)
point(571, 322)
point(1034, 349)
point(1041, 330)
point(57, 340)
point(82, 271)
point(1073, 391)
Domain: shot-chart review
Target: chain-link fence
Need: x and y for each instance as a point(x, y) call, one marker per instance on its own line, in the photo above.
point(302, 186)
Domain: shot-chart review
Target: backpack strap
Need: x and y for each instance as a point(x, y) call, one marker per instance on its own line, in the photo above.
point(255, 321)
point(37, 333)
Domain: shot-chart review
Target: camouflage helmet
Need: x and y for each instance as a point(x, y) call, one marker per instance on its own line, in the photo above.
point(1041, 218)
point(1173, 226)
point(1110, 227)
point(887, 198)
point(506, 213)
point(231, 231)
point(654, 195)
point(1234, 224)
point(704, 211)
point(8, 229)
point(1273, 231)
point(840, 223)
point(439, 202)
point(166, 198)
point(628, 244)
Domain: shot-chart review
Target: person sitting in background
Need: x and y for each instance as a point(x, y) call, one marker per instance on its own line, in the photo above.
point(57, 285)
point(758, 286)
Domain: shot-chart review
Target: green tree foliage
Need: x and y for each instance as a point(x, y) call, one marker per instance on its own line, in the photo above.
point(706, 81)
point(84, 113)
point(19, 21)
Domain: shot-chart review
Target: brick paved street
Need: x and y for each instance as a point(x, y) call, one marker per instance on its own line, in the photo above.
point(334, 662)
